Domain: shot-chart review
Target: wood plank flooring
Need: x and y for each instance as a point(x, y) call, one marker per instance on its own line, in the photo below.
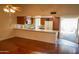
point(18, 45)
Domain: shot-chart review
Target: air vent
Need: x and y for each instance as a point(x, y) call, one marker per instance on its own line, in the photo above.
point(52, 12)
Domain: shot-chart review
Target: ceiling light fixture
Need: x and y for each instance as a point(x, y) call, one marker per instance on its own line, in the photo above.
point(9, 8)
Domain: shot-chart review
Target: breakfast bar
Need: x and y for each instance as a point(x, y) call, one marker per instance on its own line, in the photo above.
point(49, 36)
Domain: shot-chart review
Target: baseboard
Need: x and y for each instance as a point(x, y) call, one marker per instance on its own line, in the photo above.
point(1, 39)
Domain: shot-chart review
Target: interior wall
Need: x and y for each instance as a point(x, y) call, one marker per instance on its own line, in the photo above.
point(7, 23)
point(45, 9)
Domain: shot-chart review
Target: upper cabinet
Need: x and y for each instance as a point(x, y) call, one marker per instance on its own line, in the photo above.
point(56, 23)
point(42, 21)
point(21, 19)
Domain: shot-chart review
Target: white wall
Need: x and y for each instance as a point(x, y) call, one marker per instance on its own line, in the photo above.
point(6, 25)
point(45, 9)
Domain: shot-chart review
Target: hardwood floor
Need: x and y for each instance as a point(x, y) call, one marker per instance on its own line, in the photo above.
point(26, 46)
point(18, 45)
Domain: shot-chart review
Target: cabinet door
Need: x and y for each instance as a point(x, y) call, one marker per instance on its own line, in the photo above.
point(21, 19)
point(42, 21)
point(32, 20)
point(56, 23)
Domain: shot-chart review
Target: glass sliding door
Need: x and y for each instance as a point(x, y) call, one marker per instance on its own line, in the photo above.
point(68, 28)
point(68, 37)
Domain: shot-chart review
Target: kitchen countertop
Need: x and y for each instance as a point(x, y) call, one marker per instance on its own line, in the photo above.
point(39, 30)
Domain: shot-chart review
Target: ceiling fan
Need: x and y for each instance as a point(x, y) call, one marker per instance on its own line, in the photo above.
point(11, 9)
